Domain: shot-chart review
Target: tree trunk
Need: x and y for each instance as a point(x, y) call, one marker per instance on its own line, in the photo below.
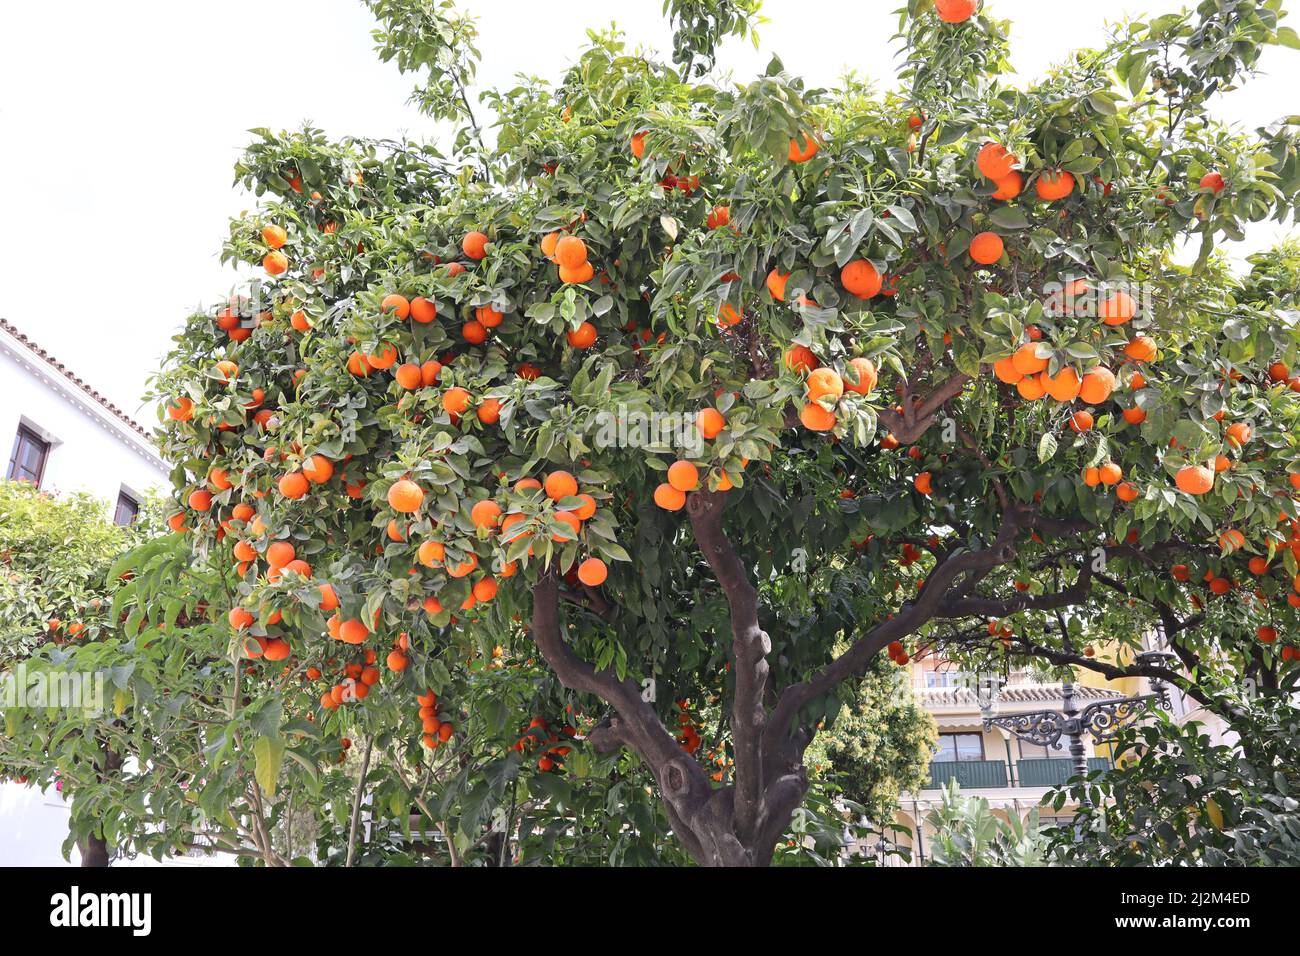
point(94, 848)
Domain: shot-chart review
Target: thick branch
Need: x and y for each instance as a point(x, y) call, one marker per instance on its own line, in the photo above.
point(749, 645)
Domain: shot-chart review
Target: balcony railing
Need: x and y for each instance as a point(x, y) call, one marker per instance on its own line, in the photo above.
point(969, 774)
point(1052, 771)
point(1037, 772)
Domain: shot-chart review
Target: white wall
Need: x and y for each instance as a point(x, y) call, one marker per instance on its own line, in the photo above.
point(91, 449)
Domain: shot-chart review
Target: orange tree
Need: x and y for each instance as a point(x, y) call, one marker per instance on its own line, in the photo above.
point(677, 386)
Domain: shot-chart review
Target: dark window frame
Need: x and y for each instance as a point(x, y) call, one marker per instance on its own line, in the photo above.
point(28, 436)
point(132, 505)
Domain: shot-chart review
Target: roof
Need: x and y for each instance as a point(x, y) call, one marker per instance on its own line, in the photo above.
point(1012, 694)
point(74, 379)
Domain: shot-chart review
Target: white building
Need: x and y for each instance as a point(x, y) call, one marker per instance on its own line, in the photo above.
point(63, 436)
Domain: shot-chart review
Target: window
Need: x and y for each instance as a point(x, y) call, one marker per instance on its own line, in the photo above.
point(127, 509)
point(28, 460)
point(960, 747)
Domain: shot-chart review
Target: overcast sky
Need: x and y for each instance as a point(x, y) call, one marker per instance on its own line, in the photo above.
point(120, 123)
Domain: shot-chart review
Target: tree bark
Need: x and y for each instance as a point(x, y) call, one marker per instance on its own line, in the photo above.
point(94, 847)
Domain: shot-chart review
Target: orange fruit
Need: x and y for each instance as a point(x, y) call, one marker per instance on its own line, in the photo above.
point(455, 401)
point(560, 485)
point(238, 617)
point(395, 304)
point(1194, 479)
point(408, 376)
point(474, 245)
point(861, 279)
point(1031, 388)
point(570, 252)
point(823, 383)
point(817, 419)
point(993, 160)
point(1141, 349)
point(669, 498)
point(1081, 421)
point(1126, 491)
point(583, 337)
point(274, 236)
point(275, 263)
point(429, 372)
point(593, 572)
point(1097, 385)
point(405, 496)
point(638, 144)
point(1135, 416)
point(728, 316)
point(865, 371)
point(1238, 434)
point(489, 411)
point(1117, 308)
point(986, 248)
point(473, 332)
point(423, 310)
point(182, 410)
point(800, 358)
point(1005, 370)
point(1064, 387)
point(1009, 186)
point(924, 483)
point(1054, 184)
point(1110, 473)
point(710, 422)
point(1027, 360)
point(200, 500)
point(485, 514)
point(578, 275)
point(683, 476)
point(293, 485)
point(776, 280)
point(318, 469)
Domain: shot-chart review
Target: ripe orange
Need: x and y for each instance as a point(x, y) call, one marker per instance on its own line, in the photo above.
point(359, 365)
point(474, 245)
point(719, 216)
point(423, 310)
point(318, 469)
point(489, 411)
point(275, 263)
point(802, 153)
point(1238, 434)
point(576, 276)
point(710, 422)
point(1213, 182)
point(570, 252)
point(279, 554)
point(1027, 359)
point(583, 337)
point(429, 372)
point(431, 553)
point(408, 376)
point(823, 383)
point(683, 476)
point(200, 500)
point(817, 419)
point(800, 358)
point(1009, 186)
point(1005, 371)
point(274, 236)
point(1135, 416)
point(1141, 349)
point(669, 498)
point(994, 161)
point(1064, 387)
point(1054, 184)
point(587, 508)
point(1110, 473)
point(1097, 385)
point(1126, 491)
point(455, 401)
point(638, 144)
point(395, 304)
point(473, 332)
point(560, 485)
point(924, 483)
point(776, 280)
point(728, 316)
point(182, 410)
point(485, 514)
point(238, 617)
point(405, 496)
point(860, 278)
point(593, 572)
point(1194, 479)
point(1031, 388)
point(865, 370)
point(1117, 308)
point(465, 567)
point(396, 661)
point(986, 248)
point(293, 485)
point(1081, 421)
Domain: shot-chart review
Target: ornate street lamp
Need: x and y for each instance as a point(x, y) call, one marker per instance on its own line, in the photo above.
point(1103, 719)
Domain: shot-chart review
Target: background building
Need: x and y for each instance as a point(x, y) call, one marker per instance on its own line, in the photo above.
point(60, 434)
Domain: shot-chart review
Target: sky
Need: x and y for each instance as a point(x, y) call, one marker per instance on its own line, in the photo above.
point(117, 143)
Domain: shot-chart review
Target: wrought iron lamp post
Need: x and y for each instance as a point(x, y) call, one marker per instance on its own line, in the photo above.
point(1103, 719)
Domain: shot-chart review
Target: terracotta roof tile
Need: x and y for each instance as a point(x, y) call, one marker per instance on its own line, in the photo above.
point(74, 379)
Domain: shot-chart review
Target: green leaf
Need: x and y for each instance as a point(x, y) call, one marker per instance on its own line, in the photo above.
point(268, 755)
